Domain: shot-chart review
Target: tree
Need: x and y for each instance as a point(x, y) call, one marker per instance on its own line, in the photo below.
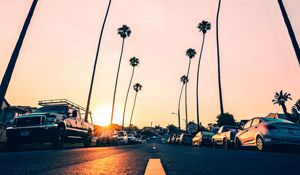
point(297, 105)
point(137, 87)
point(280, 99)
point(191, 54)
point(203, 27)
point(14, 57)
point(225, 119)
point(184, 80)
point(133, 62)
point(124, 32)
point(172, 128)
point(218, 58)
point(95, 63)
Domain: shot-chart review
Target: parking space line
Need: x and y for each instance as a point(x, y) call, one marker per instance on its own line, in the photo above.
point(154, 167)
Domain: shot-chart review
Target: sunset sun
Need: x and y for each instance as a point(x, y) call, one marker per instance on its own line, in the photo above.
point(102, 116)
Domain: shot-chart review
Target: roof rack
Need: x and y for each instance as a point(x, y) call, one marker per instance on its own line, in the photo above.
point(60, 102)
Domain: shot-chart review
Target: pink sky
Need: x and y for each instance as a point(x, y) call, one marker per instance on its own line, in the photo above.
point(257, 58)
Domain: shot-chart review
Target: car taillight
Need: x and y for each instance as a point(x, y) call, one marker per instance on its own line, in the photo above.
point(271, 128)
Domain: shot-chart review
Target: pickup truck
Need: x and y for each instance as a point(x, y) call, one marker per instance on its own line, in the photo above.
point(57, 121)
point(225, 136)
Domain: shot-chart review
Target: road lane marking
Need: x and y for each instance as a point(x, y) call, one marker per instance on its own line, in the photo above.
point(154, 167)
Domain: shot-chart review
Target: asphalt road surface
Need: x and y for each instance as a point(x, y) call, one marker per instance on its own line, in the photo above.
point(133, 159)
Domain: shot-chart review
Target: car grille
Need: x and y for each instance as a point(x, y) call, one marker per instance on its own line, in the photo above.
point(29, 121)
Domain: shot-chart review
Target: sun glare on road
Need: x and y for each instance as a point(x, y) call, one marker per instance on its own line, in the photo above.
point(103, 114)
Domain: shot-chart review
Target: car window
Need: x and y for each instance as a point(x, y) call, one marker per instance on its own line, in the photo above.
point(248, 124)
point(255, 122)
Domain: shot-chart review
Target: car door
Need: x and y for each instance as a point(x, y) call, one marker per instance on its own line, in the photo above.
point(253, 130)
point(244, 134)
point(218, 136)
point(72, 122)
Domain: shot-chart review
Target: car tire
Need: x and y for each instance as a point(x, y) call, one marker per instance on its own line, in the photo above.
point(225, 144)
point(260, 144)
point(59, 140)
point(237, 144)
point(12, 144)
point(88, 141)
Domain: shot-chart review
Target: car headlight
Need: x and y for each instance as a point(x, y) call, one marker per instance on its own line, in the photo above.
point(50, 120)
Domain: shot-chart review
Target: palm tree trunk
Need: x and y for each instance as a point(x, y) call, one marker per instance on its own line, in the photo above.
point(124, 110)
point(95, 64)
point(290, 30)
point(186, 102)
point(133, 109)
point(178, 113)
point(116, 84)
point(218, 56)
point(197, 84)
point(13, 59)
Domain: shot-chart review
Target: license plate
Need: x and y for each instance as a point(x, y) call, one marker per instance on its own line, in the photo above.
point(291, 131)
point(24, 133)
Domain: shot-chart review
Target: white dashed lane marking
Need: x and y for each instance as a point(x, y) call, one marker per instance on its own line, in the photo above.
point(154, 167)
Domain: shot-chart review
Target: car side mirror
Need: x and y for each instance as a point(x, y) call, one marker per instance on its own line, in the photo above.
point(74, 114)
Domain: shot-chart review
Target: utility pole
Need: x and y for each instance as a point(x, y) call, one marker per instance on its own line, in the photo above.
point(290, 30)
point(13, 59)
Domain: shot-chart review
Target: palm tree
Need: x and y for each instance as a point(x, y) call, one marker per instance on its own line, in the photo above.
point(184, 80)
point(191, 54)
point(124, 32)
point(203, 27)
point(14, 57)
point(95, 63)
point(218, 58)
point(297, 105)
point(133, 62)
point(280, 99)
point(137, 87)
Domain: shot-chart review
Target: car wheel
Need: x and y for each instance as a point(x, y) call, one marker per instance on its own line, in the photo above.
point(225, 144)
point(59, 139)
point(260, 144)
point(237, 144)
point(12, 144)
point(88, 141)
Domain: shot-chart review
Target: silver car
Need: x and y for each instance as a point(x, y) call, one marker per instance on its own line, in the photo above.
point(265, 132)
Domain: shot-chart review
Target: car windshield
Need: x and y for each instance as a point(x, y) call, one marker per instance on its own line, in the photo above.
point(54, 109)
point(275, 120)
point(229, 128)
point(207, 133)
point(120, 133)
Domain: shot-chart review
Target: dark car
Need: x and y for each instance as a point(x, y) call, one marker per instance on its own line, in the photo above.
point(185, 139)
point(202, 138)
point(57, 121)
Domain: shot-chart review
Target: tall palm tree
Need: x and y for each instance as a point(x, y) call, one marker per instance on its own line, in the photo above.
point(290, 29)
point(218, 58)
point(191, 54)
point(184, 80)
point(95, 63)
point(137, 87)
point(133, 62)
point(124, 32)
point(280, 99)
point(203, 27)
point(14, 57)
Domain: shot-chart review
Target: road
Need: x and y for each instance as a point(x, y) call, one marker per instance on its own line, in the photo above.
point(133, 159)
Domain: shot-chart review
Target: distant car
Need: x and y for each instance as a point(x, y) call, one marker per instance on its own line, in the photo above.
point(185, 139)
point(120, 138)
point(225, 136)
point(202, 138)
point(177, 139)
point(131, 139)
point(262, 133)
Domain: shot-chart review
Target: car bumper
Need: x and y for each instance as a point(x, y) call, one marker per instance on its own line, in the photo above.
point(269, 141)
point(44, 133)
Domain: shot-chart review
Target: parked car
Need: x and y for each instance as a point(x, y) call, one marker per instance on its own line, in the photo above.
point(185, 139)
point(262, 133)
point(202, 138)
point(57, 121)
point(172, 139)
point(120, 137)
point(225, 136)
point(131, 139)
point(177, 139)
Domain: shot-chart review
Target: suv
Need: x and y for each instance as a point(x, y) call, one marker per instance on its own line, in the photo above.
point(57, 121)
point(120, 137)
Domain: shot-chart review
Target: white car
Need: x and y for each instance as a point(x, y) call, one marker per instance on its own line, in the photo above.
point(121, 137)
point(131, 138)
